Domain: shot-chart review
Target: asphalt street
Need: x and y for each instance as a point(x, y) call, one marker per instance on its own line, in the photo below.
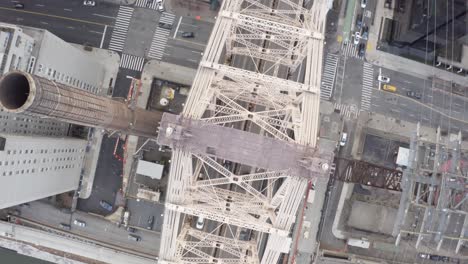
point(96, 227)
point(69, 20)
point(436, 106)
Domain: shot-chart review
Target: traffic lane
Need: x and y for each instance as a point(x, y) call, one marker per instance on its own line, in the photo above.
point(107, 182)
point(69, 30)
point(201, 29)
point(44, 213)
point(103, 230)
point(180, 55)
point(103, 13)
point(96, 228)
point(409, 110)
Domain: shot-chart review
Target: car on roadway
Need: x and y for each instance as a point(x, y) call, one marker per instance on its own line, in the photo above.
point(18, 6)
point(365, 32)
point(79, 223)
point(105, 205)
point(389, 88)
point(165, 25)
point(362, 49)
point(65, 226)
point(89, 3)
point(414, 95)
point(439, 258)
point(383, 79)
point(188, 35)
point(134, 237)
point(357, 37)
point(200, 223)
point(363, 3)
point(344, 138)
point(150, 222)
point(161, 7)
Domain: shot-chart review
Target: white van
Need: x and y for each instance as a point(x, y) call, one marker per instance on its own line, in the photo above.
point(344, 138)
point(200, 223)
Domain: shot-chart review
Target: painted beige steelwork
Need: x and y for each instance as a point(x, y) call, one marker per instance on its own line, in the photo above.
point(243, 82)
point(22, 92)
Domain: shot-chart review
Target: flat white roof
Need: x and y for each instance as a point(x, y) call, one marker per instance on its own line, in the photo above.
point(150, 169)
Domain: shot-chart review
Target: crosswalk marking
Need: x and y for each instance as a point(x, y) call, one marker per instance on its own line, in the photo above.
point(349, 111)
point(152, 4)
point(132, 62)
point(119, 35)
point(167, 18)
point(161, 35)
point(367, 86)
point(328, 76)
point(350, 50)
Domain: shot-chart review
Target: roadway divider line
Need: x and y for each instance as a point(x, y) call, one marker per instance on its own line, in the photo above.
point(177, 28)
point(54, 16)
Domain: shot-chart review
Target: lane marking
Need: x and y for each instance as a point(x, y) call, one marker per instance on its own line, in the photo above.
point(190, 25)
point(428, 106)
point(67, 9)
point(95, 32)
point(103, 16)
point(191, 42)
point(45, 23)
point(103, 36)
point(71, 27)
point(177, 28)
point(192, 60)
point(39, 5)
point(54, 16)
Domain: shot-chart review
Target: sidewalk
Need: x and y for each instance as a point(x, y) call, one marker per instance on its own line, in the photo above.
point(160, 70)
point(397, 63)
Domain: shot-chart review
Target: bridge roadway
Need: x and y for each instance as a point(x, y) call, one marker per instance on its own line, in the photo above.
point(305, 134)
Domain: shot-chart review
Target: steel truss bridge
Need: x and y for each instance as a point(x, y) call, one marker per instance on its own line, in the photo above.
point(244, 147)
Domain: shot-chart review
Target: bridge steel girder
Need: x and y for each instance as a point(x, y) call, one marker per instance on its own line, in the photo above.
point(223, 95)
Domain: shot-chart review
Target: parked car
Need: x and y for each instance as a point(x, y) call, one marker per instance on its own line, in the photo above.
point(362, 49)
point(134, 237)
point(65, 226)
point(131, 229)
point(200, 223)
point(19, 6)
point(150, 223)
point(165, 25)
point(383, 79)
point(79, 223)
point(414, 95)
point(89, 3)
point(105, 205)
point(188, 35)
point(359, 21)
